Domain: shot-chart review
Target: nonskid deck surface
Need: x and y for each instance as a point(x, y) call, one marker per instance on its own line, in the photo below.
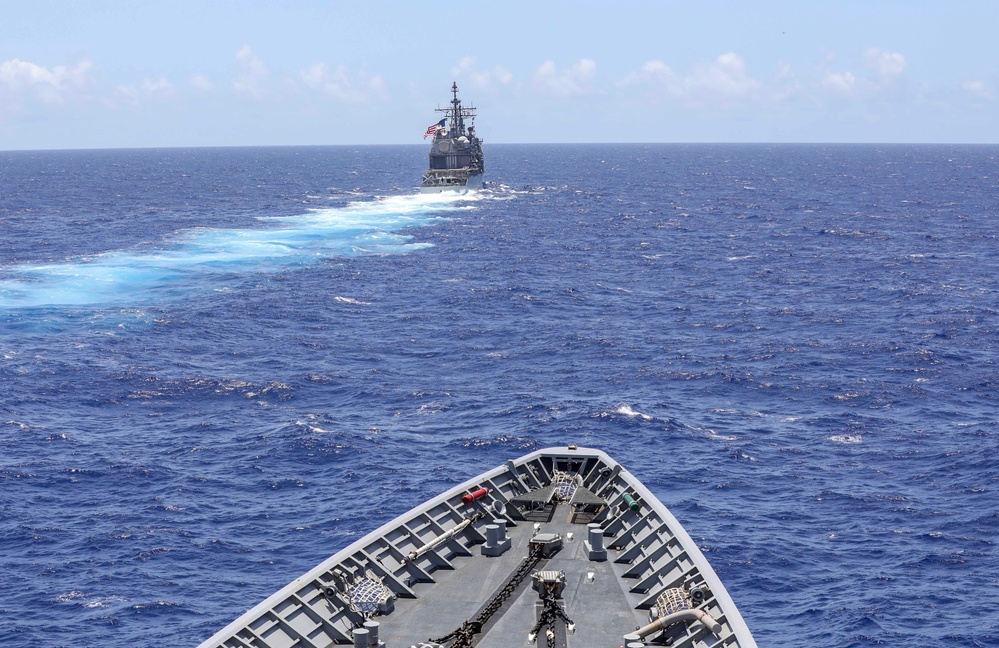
point(597, 605)
point(562, 547)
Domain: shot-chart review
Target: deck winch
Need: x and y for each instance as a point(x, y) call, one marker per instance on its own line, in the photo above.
point(549, 582)
point(546, 544)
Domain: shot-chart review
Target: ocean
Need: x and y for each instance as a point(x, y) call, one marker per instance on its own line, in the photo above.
point(220, 366)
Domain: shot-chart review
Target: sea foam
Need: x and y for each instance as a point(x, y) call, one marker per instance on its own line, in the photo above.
point(204, 258)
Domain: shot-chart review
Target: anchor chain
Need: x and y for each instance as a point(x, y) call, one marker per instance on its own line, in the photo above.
point(551, 612)
point(463, 635)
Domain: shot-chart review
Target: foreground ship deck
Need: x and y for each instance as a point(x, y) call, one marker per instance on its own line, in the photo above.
point(561, 547)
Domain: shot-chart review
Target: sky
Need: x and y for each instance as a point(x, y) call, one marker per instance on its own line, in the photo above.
point(122, 74)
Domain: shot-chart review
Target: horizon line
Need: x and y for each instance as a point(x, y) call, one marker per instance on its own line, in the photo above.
point(677, 143)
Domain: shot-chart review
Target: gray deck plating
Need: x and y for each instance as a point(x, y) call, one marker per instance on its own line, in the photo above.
point(435, 592)
point(459, 594)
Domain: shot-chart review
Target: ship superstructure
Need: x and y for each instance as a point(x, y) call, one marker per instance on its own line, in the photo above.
point(456, 160)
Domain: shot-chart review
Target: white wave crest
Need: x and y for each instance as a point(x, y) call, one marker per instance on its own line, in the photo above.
point(626, 410)
point(351, 300)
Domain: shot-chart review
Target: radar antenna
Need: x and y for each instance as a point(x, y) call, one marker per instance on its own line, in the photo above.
point(457, 113)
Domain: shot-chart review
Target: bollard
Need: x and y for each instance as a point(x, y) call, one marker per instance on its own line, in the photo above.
point(372, 628)
point(595, 542)
point(496, 541)
point(502, 529)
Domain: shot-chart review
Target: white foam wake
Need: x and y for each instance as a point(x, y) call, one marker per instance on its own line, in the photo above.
point(211, 256)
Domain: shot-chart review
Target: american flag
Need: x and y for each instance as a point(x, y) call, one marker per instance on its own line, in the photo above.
point(433, 128)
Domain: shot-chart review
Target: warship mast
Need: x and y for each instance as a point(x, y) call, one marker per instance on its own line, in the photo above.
point(457, 113)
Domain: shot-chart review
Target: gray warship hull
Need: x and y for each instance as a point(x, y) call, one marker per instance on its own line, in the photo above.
point(561, 547)
point(460, 184)
point(456, 161)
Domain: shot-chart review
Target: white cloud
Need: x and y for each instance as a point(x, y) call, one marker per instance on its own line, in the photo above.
point(250, 82)
point(23, 79)
point(150, 89)
point(342, 85)
point(657, 76)
point(786, 83)
point(158, 88)
point(841, 83)
point(124, 94)
point(726, 76)
point(888, 67)
point(978, 89)
point(337, 82)
point(485, 80)
point(724, 79)
point(885, 78)
point(574, 81)
point(201, 82)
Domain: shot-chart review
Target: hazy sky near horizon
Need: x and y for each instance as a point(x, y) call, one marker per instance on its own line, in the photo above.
point(104, 73)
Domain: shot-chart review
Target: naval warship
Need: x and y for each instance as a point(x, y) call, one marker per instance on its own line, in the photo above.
point(456, 161)
point(561, 548)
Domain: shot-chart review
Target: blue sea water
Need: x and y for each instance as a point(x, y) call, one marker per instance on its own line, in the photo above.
point(220, 366)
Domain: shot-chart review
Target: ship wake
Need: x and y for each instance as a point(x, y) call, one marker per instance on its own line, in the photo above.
point(201, 259)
